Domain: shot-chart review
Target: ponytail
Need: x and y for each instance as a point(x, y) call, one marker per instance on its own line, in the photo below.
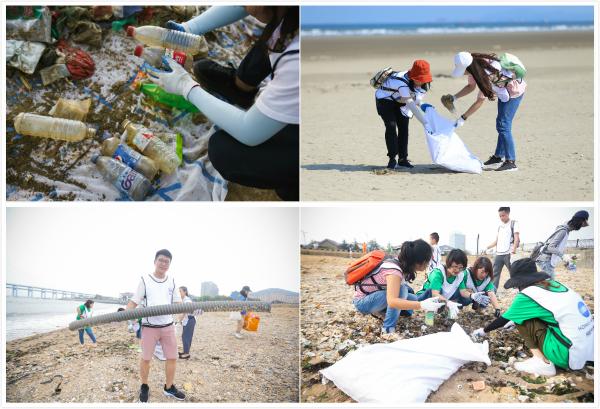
point(411, 254)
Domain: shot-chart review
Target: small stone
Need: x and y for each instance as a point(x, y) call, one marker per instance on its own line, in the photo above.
point(512, 360)
point(523, 398)
point(315, 361)
point(478, 385)
point(187, 387)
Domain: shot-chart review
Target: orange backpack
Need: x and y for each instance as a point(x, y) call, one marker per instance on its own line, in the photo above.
point(362, 267)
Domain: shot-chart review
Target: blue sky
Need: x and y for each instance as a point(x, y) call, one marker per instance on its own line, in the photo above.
point(367, 15)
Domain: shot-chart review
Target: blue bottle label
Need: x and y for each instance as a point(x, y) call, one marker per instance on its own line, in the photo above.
point(127, 155)
point(128, 179)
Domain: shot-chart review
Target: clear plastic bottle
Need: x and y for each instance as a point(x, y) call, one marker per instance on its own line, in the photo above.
point(150, 145)
point(113, 148)
point(125, 179)
point(153, 56)
point(161, 37)
point(55, 128)
point(429, 318)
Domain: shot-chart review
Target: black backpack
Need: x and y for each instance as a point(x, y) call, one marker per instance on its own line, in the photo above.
point(539, 247)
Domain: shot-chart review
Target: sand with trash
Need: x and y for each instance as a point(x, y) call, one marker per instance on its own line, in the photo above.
point(331, 327)
point(343, 146)
point(262, 367)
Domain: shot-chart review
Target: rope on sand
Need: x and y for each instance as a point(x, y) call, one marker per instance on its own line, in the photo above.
point(168, 309)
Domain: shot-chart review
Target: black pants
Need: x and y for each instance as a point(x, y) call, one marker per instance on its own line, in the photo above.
point(396, 128)
point(274, 164)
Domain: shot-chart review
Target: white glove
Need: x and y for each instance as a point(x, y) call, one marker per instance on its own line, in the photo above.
point(452, 309)
point(178, 81)
point(459, 122)
point(481, 298)
point(509, 326)
point(431, 304)
point(478, 333)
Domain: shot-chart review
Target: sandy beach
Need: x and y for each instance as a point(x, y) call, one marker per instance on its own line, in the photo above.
point(331, 328)
point(343, 147)
point(262, 367)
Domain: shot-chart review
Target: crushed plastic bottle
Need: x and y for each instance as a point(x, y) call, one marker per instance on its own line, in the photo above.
point(161, 37)
point(125, 179)
point(55, 128)
point(150, 145)
point(112, 147)
point(154, 55)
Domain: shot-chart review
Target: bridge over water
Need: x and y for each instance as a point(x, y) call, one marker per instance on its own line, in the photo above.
point(20, 290)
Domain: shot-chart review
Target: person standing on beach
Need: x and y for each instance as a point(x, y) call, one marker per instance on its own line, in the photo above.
point(85, 311)
point(552, 252)
point(188, 322)
point(257, 145)
point(436, 254)
point(486, 73)
point(506, 243)
point(397, 100)
point(158, 289)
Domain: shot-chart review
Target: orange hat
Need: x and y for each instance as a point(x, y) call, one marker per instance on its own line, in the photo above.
point(420, 71)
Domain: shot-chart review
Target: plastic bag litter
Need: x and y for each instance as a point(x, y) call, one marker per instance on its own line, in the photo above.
point(32, 23)
point(405, 371)
point(71, 109)
point(445, 146)
point(24, 55)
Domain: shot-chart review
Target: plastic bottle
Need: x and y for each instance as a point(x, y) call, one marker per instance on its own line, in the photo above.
point(150, 145)
point(113, 148)
point(430, 318)
point(160, 96)
point(153, 56)
point(125, 179)
point(55, 128)
point(161, 37)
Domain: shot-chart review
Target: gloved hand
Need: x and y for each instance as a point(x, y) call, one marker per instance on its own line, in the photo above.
point(431, 304)
point(178, 81)
point(452, 309)
point(509, 326)
point(448, 102)
point(497, 312)
point(173, 25)
point(478, 333)
point(428, 128)
point(481, 298)
point(459, 122)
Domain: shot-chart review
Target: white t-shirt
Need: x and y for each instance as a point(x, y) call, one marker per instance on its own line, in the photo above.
point(503, 242)
point(436, 259)
point(402, 92)
point(168, 285)
point(279, 98)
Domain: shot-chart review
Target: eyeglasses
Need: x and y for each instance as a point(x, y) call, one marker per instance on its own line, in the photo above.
point(163, 261)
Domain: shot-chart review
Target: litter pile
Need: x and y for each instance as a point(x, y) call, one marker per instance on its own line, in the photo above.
point(84, 122)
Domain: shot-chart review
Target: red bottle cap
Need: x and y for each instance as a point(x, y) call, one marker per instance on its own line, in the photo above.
point(130, 31)
point(138, 50)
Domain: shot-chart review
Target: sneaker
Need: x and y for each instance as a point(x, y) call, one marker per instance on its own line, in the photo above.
point(404, 163)
point(493, 160)
point(537, 366)
point(144, 392)
point(508, 166)
point(220, 79)
point(238, 335)
point(173, 392)
point(391, 164)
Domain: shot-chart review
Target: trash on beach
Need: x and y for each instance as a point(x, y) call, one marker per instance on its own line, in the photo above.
point(24, 55)
point(54, 128)
point(129, 182)
point(478, 385)
point(71, 109)
point(54, 73)
point(32, 23)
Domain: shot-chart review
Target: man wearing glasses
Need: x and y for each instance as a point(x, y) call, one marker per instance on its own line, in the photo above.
point(158, 289)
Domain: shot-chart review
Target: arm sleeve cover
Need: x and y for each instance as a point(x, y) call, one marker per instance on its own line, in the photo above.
point(215, 17)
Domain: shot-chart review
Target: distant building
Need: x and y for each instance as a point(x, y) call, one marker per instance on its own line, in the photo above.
point(457, 241)
point(444, 249)
point(209, 289)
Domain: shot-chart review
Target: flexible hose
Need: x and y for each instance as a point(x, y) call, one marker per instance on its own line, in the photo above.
point(168, 309)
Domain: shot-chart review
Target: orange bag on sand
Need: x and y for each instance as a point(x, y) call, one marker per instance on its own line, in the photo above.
point(360, 268)
point(251, 322)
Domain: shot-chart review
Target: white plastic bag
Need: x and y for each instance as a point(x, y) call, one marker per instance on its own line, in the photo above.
point(405, 371)
point(24, 55)
point(445, 146)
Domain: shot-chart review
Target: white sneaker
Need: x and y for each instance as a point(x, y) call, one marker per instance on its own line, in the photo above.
point(536, 366)
point(238, 335)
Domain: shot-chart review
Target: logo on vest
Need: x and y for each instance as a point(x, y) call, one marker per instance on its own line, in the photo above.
point(583, 310)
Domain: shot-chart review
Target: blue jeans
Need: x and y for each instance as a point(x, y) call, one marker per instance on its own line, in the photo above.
point(377, 302)
point(89, 332)
point(505, 148)
point(188, 334)
point(456, 297)
point(546, 267)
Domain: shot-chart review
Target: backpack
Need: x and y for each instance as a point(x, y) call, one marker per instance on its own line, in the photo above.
point(512, 63)
point(539, 247)
point(383, 75)
point(365, 268)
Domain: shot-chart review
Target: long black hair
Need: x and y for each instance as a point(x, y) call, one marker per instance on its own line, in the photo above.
point(481, 63)
point(411, 254)
point(185, 290)
point(576, 223)
point(290, 23)
point(88, 304)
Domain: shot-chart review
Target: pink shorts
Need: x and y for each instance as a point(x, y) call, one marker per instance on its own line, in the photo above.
point(164, 335)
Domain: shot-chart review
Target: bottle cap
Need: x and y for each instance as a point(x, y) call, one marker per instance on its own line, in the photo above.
point(91, 132)
point(138, 50)
point(95, 158)
point(130, 31)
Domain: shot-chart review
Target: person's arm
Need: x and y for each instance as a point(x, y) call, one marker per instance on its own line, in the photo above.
point(467, 89)
point(553, 245)
point(473, 108)
point(492, 245)
point(493, 300)
point(517, 241)
point(393, 289)
point(137, 296)
point(497, 323)
point(465, 292)
point(417, 112)
point(214, 17)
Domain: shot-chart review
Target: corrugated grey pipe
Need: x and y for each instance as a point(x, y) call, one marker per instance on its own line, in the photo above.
point(168, 309)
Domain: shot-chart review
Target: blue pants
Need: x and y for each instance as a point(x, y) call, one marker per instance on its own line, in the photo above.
point(377, 302)
point(88, 331)
point(456, 297)
point(505, 147)
point(188, 334)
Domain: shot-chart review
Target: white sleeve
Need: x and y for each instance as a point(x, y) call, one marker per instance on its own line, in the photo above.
point(517, 227)
point(139, 293)
point(280, 98)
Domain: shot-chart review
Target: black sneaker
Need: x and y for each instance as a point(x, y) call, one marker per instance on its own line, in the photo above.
point(493, 160)
point(391, 164)
point(173, 392)
point(220, 79)
point(508, 165)
point(144, 392)
point(405, 164)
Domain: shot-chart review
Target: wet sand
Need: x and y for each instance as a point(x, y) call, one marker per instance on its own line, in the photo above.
point(343, 147)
